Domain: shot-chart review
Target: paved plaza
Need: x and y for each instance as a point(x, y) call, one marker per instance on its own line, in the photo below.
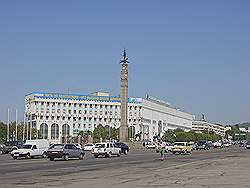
point(228, 167)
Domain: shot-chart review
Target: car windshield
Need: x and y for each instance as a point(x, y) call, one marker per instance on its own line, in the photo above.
point(57, 146)
point(202, 142)
point(179, 144)
point(100, 146)
point(27, 146)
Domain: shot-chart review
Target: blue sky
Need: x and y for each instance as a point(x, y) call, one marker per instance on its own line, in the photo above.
point(193, 54)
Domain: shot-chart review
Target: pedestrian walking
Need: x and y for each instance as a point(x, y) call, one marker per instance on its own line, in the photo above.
point(162, 150)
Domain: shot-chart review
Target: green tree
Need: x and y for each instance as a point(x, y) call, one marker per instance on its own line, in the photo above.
point(3, 132)
point(169, 136)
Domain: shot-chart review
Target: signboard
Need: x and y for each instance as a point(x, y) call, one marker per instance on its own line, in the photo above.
point(85, 97)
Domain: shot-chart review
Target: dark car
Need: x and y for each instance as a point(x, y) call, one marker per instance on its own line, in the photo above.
point(124, 147)
point(242, 144)
point(3, 149)
point(203, 145)
point(65, 151)
point(248, 145)
point(13, 145)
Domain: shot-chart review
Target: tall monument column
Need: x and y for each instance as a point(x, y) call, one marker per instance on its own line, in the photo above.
point(124, 98)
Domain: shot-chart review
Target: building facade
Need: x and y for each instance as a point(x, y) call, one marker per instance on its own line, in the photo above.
point(204, 126)
point(58, 116)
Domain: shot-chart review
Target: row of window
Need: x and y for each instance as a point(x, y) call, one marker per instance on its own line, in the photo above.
point(77, 105)
point(85, 112)
point(80, 119)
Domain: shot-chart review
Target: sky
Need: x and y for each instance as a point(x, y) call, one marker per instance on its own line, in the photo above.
point(193, 54)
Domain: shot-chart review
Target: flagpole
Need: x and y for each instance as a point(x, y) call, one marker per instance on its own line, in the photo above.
point(8, 126)
point(23, 125)
point(30, 127)
point(16, 127)
point(27, 130)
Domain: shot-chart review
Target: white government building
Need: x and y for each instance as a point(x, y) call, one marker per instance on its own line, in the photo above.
point(204, 126)
point(59, 115)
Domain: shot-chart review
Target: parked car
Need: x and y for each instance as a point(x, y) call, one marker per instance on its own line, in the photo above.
point(217, 144)
point(182, 148)
point(242, 143)
point(65, 151)
point(151, 145)
point(32, 148)
point(3, 149)
point(225, 144)
point(106, 149)
point(248, 145)
point(124, 147)
point(203, 145)
point(13, 145)
point(88, 147)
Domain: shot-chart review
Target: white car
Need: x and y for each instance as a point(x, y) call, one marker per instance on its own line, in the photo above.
point(106, 149)
point(217, 144)
point(151, 146)
point(88, 147)
point(32, 148)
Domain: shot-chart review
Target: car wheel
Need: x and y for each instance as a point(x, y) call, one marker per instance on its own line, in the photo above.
point(44, 155)
point(81, 156)
point(119, 154)
point(66, 157)
point(96, 156)
point(28, 156)
point(109, 155)
point(14, 157)
point(51, 159)
point(125, 152)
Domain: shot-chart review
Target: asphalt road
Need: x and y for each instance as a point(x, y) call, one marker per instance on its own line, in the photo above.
point(44, 173)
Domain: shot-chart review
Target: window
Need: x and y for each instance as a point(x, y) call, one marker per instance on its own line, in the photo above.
point(58, 111)
point(58, 117)
point(80, 111)
point(34, 147)
point(69, 111)
point(74, 111)
point(74, 105)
